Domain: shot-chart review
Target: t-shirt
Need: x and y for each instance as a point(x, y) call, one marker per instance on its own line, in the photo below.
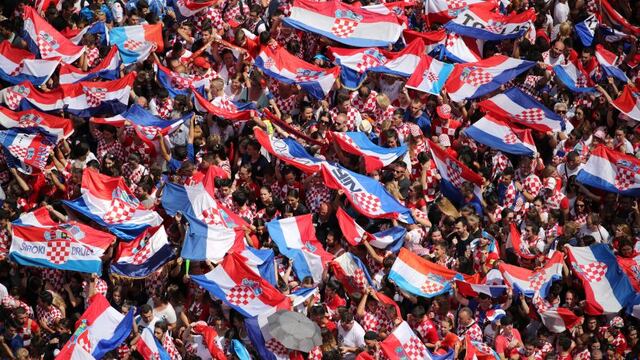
point(503, 344)
point(352, 338)
point(175, 164)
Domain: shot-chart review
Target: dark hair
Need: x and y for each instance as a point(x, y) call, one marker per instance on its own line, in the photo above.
point(46, 297)
point(371, 335)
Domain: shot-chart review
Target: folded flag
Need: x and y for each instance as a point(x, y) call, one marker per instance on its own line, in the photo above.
point(239, 287)
point(261, 262)
point(351, 272)
point(110, 203)
point(97, 28)
point(354, 63)
point(209, 336)
point(26, 96)
point(224, 107)
point(28, 152)
point(520, 247)
point(289, 69)
point(481, 22)
point(453, 175)
point(347, 24)
point(607, 61)
point(17, 65)
point(631, 267)
point(150, 348)
point(472, 288)
point(391, 239)
point(182, 83)
point(100, 329)
point(55, 128)
point(611, 171)
point(38, 218)
point(300, 295)
point(108, 69)
point(45, 40)
point(71, 246)
point(403, 343)
point(358, 143)
point(586, 30)
point(472, 80)
point(628, 102)
point(144, 255)
point(429, 38)
point(296, 239)
point(87, 98)
point(500, 135)
point(607, 288)
point(609, 15)
point(189, 8)
point(288, 150)
point(556, 319)
point(495, 314)
point(367, 195)
point(404, 62)
point(442, 11)
point(430, 75)
point(528, 282)
point(478, 350)
point(574, 77)
point(421, 277)
point(516, 106)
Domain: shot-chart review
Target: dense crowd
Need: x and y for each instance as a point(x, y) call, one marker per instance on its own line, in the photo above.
point(540, 195)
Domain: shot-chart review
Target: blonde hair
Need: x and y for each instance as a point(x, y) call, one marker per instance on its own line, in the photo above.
point(383, 101)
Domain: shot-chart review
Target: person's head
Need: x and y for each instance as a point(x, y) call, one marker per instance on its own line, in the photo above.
point(507, 176)
point(371, 341)
point(343, 102)
point(465, 316)
point(293, 198)
point(507, 324)
point(160, 329)
point(400, 170)
point(557, 49)
point(418, 313)
point(416, 107)
point(586, 55)
point(45, 299)
point(346, 320)
point(461, 226)
point(146, 313)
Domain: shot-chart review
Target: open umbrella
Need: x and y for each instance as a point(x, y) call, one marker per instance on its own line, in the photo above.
point(294, 330)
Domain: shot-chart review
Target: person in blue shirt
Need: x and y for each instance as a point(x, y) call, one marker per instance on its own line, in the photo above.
point(180, 153)
point(415, 114)
point(10, 340)
point(88, 12)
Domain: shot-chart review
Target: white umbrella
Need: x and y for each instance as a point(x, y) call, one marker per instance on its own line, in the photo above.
point(294, 330)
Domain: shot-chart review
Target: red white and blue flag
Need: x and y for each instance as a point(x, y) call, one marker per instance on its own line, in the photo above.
point(608, 14)
point(607, 288)
point(501, 135)
point(458, 49)
point(224, 107)
point(453, 174)
point(607, 61)
point(189, 8)
point(144, 255)
point(520, 247)
point(135, 43)
point(611, 171)
point(528, 282)
point(149, 347)
point(367, 195)
point(239, 287)
point(421, 277)
point(354, 63)
point(472, 80)
point(391, 239)
point(574, 77)
point(28, 152)
point(351, 273)
point(403, 63)
point(516, 106)
point(38, 218)
point(109, 202)
point(97, 28)
point(108, 69)
point(260, 261)
point(556, 319)
point(296, 239)
point(481, 22)
point(473, 288)
point(289, 69)
point(631, 267)
point(441, 11)
point(45, 40)
point(27, 96)
point(17, 65)
point(628, 102)
point(430, 38)
point(208, 338)
point(478, 350)
point(347, 24)
point(182, 83)
point(87, 98)
point(430, 75)
point(375, 157)
point(289, 151)
point(586, 30)
point(403, 343)
point(55, 127)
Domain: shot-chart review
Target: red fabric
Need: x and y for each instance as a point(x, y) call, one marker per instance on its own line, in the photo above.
point(209, 334)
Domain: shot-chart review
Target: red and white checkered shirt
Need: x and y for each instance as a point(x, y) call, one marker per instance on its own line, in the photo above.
point(427, 330)
point(376, 321)
point(93, 57)
point(5, 243)
point(232, 12)
point(286, 105)
point(167, 343)
point(134, 174)
point(114, 147)
point(317, 194)
point(500, 163)
point(54, 277)
point(315, 354)
point(49, 316)
point(381, 114)
point(367, 105)
point(431, 191)
point(532, 185)
point(164, 107)
point(449, 129)
point(213, 15)
point(474, 331)
point(353, 117)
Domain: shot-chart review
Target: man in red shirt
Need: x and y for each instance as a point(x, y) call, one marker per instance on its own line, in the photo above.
point(509, 341)
point(424, 327)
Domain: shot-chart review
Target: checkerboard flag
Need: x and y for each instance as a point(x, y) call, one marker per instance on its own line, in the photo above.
point(612, 171)
point(144, 255)
point(453, 174)
point(403, 343)
point(527, 282)
point(45, 40)
point(239, 287)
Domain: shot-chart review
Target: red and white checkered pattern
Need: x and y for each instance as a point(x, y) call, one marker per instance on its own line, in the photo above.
point(12, 98)
point(133, 45)
point(414, 348)
point(536, 281)
point(532, 185)
point(451, 40)
point(368, 202)
point(212, 216)
point(58, 251)
point(454, 173)
point(367, 62)
point(494, 28)
point(594, 271)
point(93, 57)
point(368, 105)
point(48, 315)
point(142, 253)
point(17, 70)
point(430, 287)
point(120, 211)
point(95, 96)
point(530, 116)
point(624, 178)
point(240, 295)
point(305, 77)
point(180, 80)
point(18, 151)
point(456, 4)
point(474, 331)
point(541, 305)
point(343, 28)
point(431, 76)
point(276, 347)
point(352, 115)
point(510, 139)
point(359, 279)
point(46, 44)
point(478, 77)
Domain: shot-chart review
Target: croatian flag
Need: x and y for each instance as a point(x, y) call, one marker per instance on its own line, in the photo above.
point(351, 273)
point(441, 11)
point(108, 69)
point(38, 218)
point(516, 106)
point(500, 135)
point(574, 77)
point(556, 319)
point(607, 61)
point(609, 15)
point(45, 40)
point(358, 143)
point(28, 152)
point(223, 107)
point(478, 350)
point(346, 24)
point(207, 338)
point(182, 83)
point(481, 22)
point(421, 277)
point(527, 282)
point(189, 8)
point(296, 239)
point(354, 64)
point(430, 75)
point(367, 195)
point(261, 262)
point(150, 348)
point(239, 287)
point(611, 171)
point(471, 289)
point(87, 98)
point(110, 203)
point(631, 267)
point(453, 174)
point(72, 246)
point(606, 286)
point(17, 65)
point(430, 38)
point(135, 43)
point(628, 102)
point(26, 96)
point(472, 80)
point(392, 238)
point(288, 150)
point(459, 49)
point(288, 69)
point(144, 255)
point(56, 128)
point(97, 28)
point(520, 247)
point(404, 62)
point(586, 30)
point(403, 343)
point(495, 314)
point(268, 347)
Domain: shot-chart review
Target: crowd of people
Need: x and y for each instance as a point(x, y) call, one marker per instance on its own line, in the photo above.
point(539, 194)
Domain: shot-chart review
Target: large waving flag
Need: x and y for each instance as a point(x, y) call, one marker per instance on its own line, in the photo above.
point(110, 203)
point(430, 75)
point(354, 63)
point(135, 43)
point(358, 143)
point(500, 135)
point(189, 8)
point(441, 11)
point(182, 83)
point(100, 329)
point(453, 174)
point(87, 98)
point(38, 218)
point(45, 40)
point(430, 38)
point(391, 239)
point(261, 262)
point(17, 65)
point(528, 282)
point(403, 343)
point(351, 272)
point(606, 286)
point(459, 49)
point(108, 69)
point(516, 106)
point(610, 15)
point(556, 319)
point(421, 277)
point(53, 126)
point(223, 107)
point(288, 150)
point(144, 255)
point(480, 22)
point(628, 102)
point(286, 68)
point(25, 151)
point(367, 195)
point(472, 80)
point(403, 63)
point(607, 61)
point(346, 24)
point(574, 77)
point(239, 287)
point(519, 247)
point(71, 246)
point(27, 96)
point(612, 171)
point(149, 347)
point(296, 239)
